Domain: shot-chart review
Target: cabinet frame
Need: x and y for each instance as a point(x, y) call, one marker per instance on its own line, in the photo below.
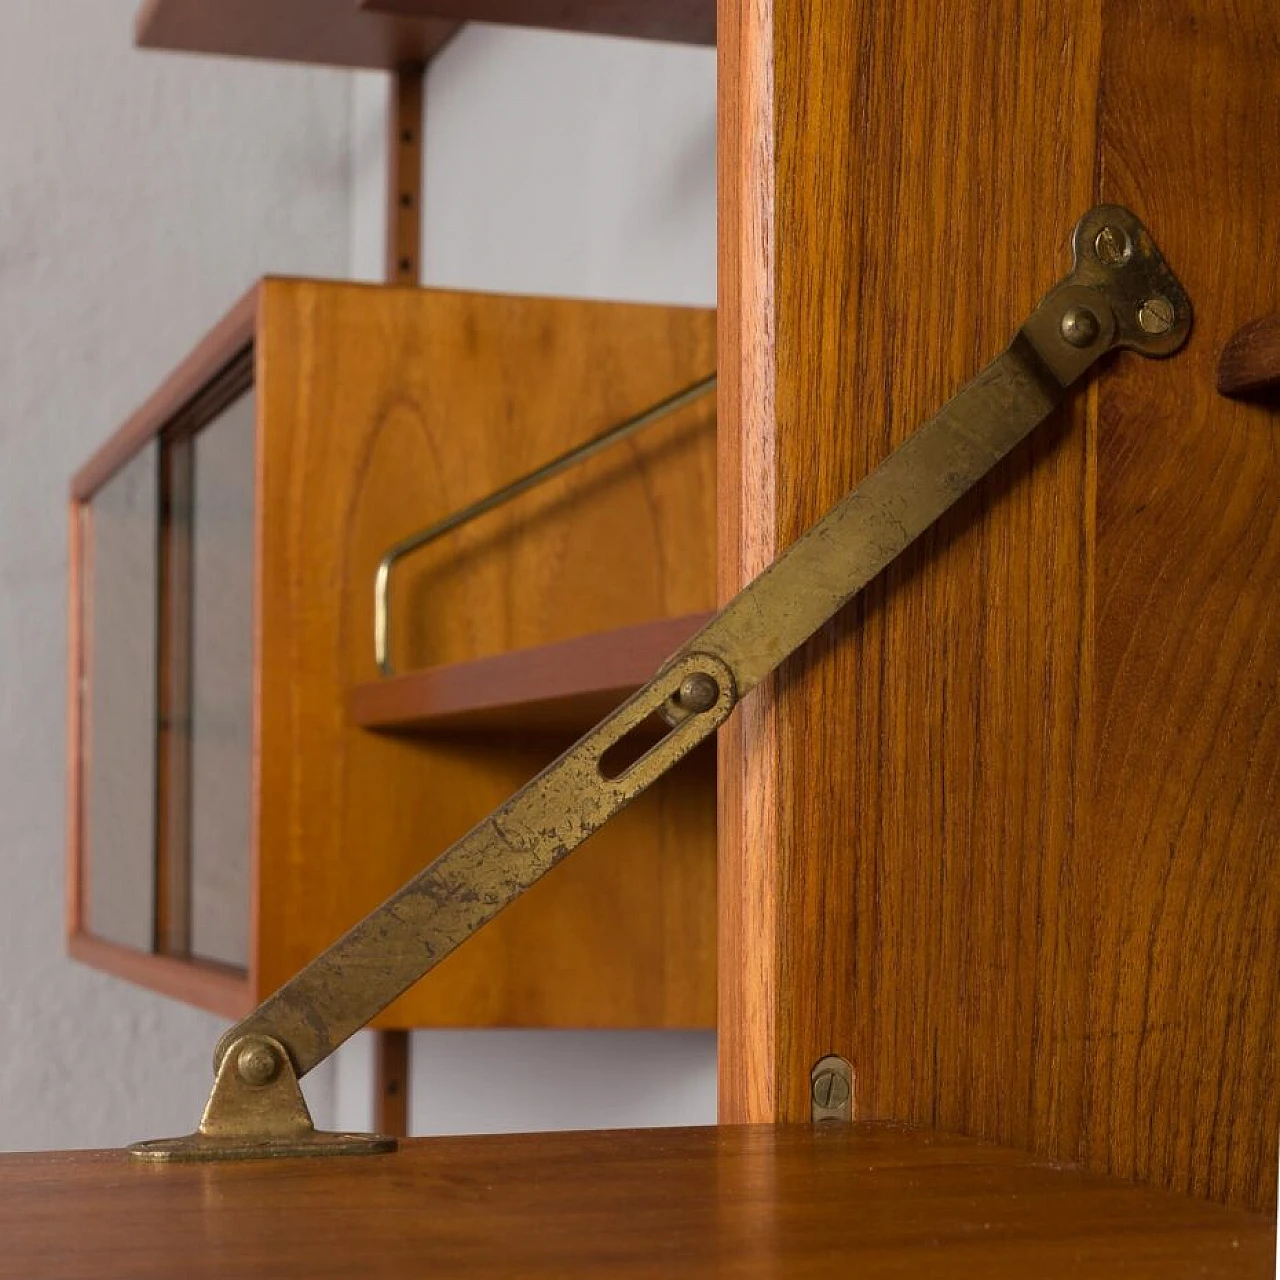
point(215, 372)
point(379, 407)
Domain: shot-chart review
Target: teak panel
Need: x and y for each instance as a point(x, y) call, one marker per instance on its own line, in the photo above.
point(1030, 891)
point(1182, 1069)
point(384, 410)
point(867, 1201)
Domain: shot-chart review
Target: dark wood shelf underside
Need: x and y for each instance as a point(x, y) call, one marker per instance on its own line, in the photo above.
point(682, 21)
point(555, 688)
point(330, 32)
point(395, 34)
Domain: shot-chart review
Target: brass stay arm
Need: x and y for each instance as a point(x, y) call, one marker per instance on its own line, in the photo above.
point(579, 454)
point(1120, 293)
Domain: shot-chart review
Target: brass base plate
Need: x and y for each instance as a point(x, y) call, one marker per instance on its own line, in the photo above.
point(195, 1147)
point(257, 1112)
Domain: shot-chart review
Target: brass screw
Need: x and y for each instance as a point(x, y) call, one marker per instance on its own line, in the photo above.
point(257, 1063)
point(1079, 326)
point(698, 692)
point(1113, 246)
point(1156, 316)
point(830, 1090)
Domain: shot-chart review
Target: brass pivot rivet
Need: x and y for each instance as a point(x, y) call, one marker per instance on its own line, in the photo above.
point(830, 1090)
point(1113, 246)
point(698, 692)
point(257, 1063)
point(1079, 326)
point(1156, 316)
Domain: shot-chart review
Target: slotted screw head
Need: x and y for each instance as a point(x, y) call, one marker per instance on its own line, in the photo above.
point(1113, 246)
point(1155, 316)
point(830, 1090)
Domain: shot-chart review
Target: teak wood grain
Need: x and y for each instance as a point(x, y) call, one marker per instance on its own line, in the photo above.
point(384, 410)
point(867, 1201)
point(1183, 1064)
point(1004, 834)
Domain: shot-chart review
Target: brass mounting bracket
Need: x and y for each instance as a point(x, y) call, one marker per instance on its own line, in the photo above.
point(1120, 293)
point(257, 1111)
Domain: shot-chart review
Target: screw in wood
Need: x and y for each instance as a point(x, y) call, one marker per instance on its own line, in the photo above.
point(1113, 246)
point(830, 1090)
point(1156, 316)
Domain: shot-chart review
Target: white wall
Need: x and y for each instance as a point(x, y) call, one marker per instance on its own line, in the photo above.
point(140, 195)
point(580, 166)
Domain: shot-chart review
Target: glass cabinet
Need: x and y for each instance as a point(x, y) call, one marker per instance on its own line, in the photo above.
point(246, 784)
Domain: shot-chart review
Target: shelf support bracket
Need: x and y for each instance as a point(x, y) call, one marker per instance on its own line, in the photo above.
point(1120, 293)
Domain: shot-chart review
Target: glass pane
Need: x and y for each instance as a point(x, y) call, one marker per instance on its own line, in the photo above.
point(120, 710)
point(221, 745)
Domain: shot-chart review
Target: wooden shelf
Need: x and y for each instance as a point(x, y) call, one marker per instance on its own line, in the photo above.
point(865, 1200)
point(393, 34)
point(552, 688)
point(682, 21)
point(333, 32)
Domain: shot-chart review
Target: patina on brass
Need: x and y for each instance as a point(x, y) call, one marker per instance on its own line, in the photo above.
point(256, 1112)
point(1118, 290)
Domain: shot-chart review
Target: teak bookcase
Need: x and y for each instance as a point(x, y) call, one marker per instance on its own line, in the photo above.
point(1004, 835)
point(376, 411)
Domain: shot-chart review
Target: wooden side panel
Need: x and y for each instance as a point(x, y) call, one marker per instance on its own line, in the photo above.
point(384, 410)
point(913, 768)
point(1182, 1071)
point(748, 542)
point(1015, 810)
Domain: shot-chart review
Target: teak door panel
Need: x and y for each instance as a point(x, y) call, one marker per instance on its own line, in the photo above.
point(1014, 815)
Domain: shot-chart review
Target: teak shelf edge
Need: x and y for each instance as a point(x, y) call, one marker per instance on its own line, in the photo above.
point(565, 686)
